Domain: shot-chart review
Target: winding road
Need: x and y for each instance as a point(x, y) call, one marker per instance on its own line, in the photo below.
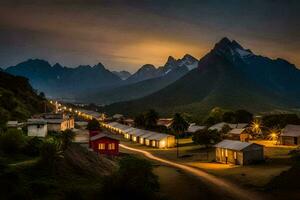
point(221, 185)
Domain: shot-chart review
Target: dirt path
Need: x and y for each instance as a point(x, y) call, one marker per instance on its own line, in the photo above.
point(216, 184)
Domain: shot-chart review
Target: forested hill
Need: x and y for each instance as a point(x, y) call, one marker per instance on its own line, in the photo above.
point(18, 100)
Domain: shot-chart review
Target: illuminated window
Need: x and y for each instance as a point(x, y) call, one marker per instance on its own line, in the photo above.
point(134, 139)
point(234, 155)
point(101, 146)
point(111, 146)
point(226, 153)
point(141, 140)
point(162, 143)
point(147, 142)
point(153, 143)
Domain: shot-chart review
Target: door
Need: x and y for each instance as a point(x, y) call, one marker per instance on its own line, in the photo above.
point(295, 140)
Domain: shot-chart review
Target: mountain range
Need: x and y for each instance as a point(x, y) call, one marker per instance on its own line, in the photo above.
point(96, 83)
point(145, 81)
point(59, 81)
point(229, 76)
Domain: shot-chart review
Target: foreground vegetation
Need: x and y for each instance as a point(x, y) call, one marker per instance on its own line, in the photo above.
point(55, 168)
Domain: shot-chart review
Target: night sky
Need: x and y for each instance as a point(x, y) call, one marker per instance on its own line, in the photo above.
point(125, 34)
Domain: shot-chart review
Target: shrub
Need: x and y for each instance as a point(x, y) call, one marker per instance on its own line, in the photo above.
point(33, 146)
point(12, 141)
point(93, 125)
point(134, 179)
point(50, 154)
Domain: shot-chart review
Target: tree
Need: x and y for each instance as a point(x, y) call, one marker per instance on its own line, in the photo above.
point(139, 121)
point(210, 120)
point(50, 155)
point(127, 181)
point(229, 117)
point(12, 141)
point(33, 146)
point(225, 129)
point(93, 125)
point(151, 117)
point(67, 137)
point(179, 125)
point(243, 116)
point(206, 137)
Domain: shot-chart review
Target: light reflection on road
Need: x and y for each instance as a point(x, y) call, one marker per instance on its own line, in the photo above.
point(232, 189)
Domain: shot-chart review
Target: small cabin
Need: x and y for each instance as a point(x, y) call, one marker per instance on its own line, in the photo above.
point(290, 135)
point(238, 153)
point(239, 134)
point(104, 144)
point(37, 128)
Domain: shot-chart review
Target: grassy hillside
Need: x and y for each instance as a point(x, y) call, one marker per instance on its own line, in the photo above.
point(18, 100)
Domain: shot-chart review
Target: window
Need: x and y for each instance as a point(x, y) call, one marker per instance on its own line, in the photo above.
point(153, 143)
point(111, 146)
point(234, 155)
point(101, 146)
point(226, 153)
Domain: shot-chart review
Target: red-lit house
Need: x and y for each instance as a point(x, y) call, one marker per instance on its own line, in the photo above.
point(104, 144)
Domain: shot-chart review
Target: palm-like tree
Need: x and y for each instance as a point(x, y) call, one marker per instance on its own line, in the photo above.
point(179, 125)
point(151, 117)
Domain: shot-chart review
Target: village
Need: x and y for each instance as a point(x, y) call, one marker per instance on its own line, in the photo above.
point(244, 154)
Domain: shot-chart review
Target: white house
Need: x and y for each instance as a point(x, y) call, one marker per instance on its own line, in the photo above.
point(238, 153)
point(37, 127)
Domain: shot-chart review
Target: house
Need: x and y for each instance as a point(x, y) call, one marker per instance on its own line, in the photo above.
point(14, 124)
point(37, 127)
point(167, 122)
point(160, 140)
point(128, 122)
point(57, 121)
point(290, 135)
point(104, 144)
point(81, 124)
point(194, 128)
point(238, 153)
point(220, 125)
point(118, 116)
point(60, 124)
point(145, 137)
point(238, 134)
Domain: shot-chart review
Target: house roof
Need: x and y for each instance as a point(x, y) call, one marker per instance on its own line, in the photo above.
point(291, 130)
point(55, 121)
point(158, 136)
point(220, 125)
point(236, 131)
point(193, 128)
point(101, 135)
point(233, 145)
point(36, 122)
point(117, 116)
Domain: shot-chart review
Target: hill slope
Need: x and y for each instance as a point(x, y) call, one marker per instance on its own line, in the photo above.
point(17, 98)
point(230, 77)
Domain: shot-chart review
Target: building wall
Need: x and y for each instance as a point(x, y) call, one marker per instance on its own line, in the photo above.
point(106, 142)
point(54, 127)
point(249, 155)
point(37, 130)
point(287, 140)
point(233, 157)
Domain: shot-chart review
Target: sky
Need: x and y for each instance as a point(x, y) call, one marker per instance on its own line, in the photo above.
point(126, 34)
